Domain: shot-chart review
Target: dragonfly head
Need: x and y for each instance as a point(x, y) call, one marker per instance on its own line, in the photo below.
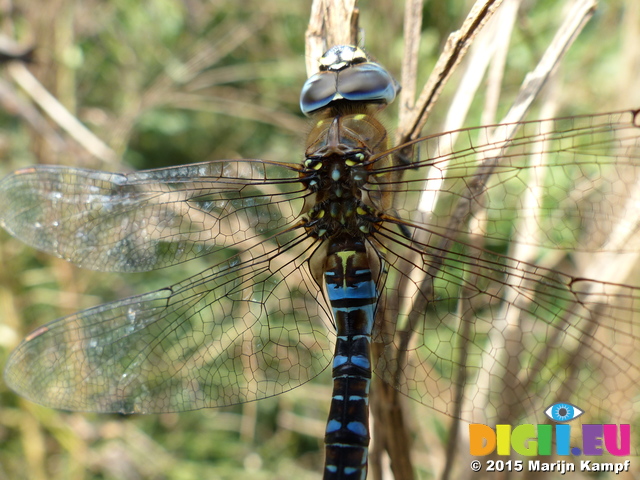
point(347, 75)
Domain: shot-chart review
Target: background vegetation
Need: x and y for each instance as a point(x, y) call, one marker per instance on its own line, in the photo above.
point(171, 82)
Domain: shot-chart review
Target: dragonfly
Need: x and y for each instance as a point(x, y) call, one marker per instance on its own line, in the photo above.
point(408, 263)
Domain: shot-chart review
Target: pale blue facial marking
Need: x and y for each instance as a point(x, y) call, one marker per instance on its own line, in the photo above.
point(332, 468)
point(339, 397)
point(358, 428)
point(333, 426)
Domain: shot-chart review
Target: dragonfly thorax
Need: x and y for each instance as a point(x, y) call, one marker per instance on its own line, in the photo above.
point(339, 209)
point(336, 169)
point(332, 218)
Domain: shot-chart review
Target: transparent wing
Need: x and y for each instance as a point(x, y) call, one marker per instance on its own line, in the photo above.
point(569, 180)
point(240, 331)
point(460, 311)
point(473, 321)
point(150, 219)
point(515, 337)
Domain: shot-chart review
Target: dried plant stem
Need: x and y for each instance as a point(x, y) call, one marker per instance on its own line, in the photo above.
point(59, 114)
point(412, 26)
point(575, 20)
point(456, 47)
point(12, 102)
point(332, 22)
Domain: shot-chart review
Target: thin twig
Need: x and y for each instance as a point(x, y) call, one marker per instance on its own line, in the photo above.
point(574, 22)
point(14, 103)
point(59, 114)
point(455, 49)
point(412, 26)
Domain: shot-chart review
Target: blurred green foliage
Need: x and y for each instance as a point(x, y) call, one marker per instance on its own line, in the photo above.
point(171, 82)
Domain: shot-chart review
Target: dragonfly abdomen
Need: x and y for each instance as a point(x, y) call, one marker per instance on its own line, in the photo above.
point(352, 294)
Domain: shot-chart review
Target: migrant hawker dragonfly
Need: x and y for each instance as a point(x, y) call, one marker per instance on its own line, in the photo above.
point(351, 259)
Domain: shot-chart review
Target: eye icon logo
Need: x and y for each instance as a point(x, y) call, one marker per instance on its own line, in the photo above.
point(563, 412)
